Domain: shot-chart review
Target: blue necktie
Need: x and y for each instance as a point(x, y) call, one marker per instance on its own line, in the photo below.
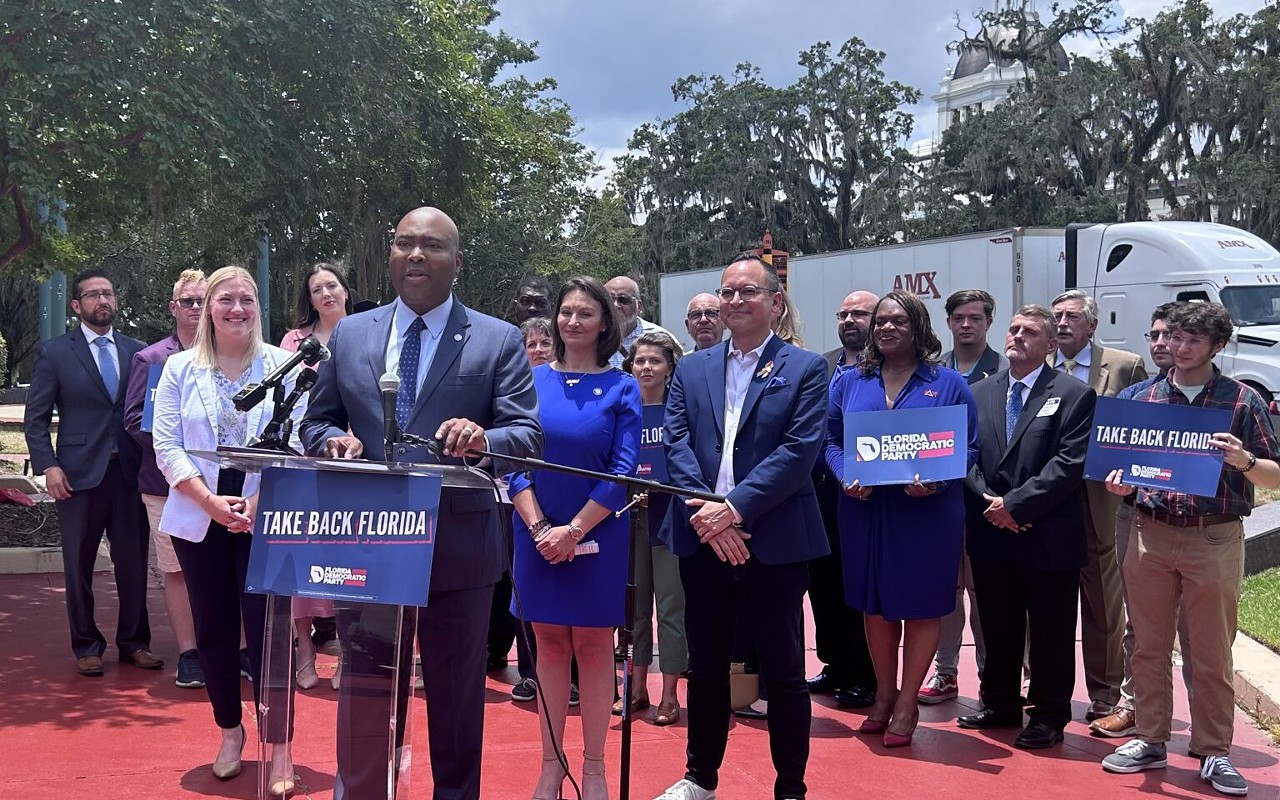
point(107, 366)
point(1012, 410)
point(410, 351)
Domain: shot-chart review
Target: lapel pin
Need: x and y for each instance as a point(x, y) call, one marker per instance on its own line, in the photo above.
point(457, 337)
point(597, 391)
point(930, 393)
point(765, 370)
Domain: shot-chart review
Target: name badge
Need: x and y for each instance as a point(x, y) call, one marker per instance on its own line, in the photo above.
point(1050, 407)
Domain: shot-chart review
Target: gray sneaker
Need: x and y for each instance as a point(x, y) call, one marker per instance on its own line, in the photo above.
point(1136, 756)
point(1217, 770)
point(190, 675)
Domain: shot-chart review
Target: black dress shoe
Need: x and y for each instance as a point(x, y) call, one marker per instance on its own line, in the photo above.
point(495, 663)
point(823, 683)
point(855, 697)
point(751, 712)
point(986, 719)
point(1038, 736)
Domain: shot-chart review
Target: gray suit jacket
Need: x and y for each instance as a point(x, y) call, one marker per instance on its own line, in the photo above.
point(480, 372)
point(90, 423)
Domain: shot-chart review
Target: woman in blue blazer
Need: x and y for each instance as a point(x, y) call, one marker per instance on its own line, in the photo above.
point(210, 511)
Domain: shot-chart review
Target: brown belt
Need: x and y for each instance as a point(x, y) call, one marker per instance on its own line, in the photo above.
point(1189, 520)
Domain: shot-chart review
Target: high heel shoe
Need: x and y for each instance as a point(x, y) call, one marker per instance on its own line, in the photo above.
point(892, 739)
point(594, 786)
point(336, 680)
point(551, 780)
point(873, 726)
point(226, 770)
point(307, 677)
point(282, 781)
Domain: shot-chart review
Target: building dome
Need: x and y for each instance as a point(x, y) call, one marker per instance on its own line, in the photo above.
point(994, 45)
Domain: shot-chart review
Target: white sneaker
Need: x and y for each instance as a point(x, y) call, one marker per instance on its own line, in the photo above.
point(687, 790)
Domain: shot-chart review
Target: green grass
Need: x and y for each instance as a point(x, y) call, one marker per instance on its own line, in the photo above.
point(12, 440)
point(1260, 607)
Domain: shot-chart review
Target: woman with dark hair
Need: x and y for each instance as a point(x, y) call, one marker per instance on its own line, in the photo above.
point(900, 545)
point(324, 300)
point(590, 418)
point(652, 361)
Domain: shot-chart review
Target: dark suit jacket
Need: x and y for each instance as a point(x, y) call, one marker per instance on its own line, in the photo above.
point(779, 437)
point(480, 372)
point(1039, 473)
point(989, 364)
point(90, 422)
point(150, 480)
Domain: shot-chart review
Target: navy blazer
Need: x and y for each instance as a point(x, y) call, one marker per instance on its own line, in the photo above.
point(1040, 472)
point(90, 422)
point(480, 372)
point(779, 438)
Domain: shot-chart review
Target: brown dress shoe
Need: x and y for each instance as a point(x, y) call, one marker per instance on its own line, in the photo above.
point(142, 659)
point(1116, 726)
point(89, 666)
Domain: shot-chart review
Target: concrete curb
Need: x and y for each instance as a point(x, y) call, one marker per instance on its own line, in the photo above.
point(1257, 679)
point(31, 560)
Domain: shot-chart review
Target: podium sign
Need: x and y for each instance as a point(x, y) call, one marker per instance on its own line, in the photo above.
point(346, 536)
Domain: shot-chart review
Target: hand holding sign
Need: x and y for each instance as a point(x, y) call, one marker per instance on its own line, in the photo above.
point(858, 491)
point(1115, 484)
point(1232, 448)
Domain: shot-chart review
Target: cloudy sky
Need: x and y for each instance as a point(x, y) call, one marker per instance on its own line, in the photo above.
point(615, 61)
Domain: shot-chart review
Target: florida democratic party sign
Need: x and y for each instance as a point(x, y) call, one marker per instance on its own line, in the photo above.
point(345, 536)
point(892, 447)
point(1157, 445)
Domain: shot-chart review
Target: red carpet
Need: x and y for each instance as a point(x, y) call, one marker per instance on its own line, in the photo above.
point(133, 734)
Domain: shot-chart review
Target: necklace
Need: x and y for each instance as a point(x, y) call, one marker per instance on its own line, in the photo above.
point(564, 375)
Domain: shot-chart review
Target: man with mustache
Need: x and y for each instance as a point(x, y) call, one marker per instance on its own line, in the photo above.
point(702, 321)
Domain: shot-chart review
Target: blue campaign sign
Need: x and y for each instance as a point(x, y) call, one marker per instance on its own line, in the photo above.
point(652, 461)
point(345, 536)
point(1157, 445)
point(892, 447)
point(149, 399)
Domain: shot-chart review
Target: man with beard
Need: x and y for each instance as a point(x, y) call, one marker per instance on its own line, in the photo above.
point(92, 472)
point(841, 641)
point(702, 321)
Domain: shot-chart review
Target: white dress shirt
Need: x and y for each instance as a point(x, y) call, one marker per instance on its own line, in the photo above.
point(739, 367)
point(1025, 383)
point(99, 352)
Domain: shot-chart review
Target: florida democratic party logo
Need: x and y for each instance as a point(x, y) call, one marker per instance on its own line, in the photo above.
point(338, 576)
point(1150, 473)
point(906, 446)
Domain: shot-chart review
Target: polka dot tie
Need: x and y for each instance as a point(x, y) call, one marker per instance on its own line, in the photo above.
point(410, 351)
point(1013, 410)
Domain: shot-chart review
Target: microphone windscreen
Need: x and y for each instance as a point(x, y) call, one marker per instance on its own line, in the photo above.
point(389, 382)
point(325, 354)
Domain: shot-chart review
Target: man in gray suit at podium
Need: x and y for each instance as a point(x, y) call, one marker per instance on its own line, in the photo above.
point(465, 381)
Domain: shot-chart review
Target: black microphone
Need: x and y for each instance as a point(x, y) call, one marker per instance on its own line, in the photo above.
point(389, 383)
point(309, 351)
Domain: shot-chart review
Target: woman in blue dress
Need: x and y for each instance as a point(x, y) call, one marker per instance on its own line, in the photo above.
point(901, 545)
point(590, 415)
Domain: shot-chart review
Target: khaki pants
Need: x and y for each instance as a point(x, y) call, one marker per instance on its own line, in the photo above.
point(1199, 569)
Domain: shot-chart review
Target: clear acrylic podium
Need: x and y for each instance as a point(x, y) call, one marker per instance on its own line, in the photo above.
point(374, 754)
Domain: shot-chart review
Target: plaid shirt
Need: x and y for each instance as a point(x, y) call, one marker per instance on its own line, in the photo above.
point(1250, 421)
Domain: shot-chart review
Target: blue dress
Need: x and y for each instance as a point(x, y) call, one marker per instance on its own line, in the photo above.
point(901, 554)
point(593, 424)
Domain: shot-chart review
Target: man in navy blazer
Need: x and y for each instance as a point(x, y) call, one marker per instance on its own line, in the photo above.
point(745, 420)
point(92, 472)
point(473, 391)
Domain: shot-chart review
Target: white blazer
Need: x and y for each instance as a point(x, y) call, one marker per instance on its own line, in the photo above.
point(186, 418)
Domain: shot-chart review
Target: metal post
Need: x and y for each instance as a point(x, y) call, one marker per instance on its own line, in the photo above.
point(264, 281)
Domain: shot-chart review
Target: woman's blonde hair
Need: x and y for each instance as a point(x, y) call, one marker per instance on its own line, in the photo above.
point(206, 347)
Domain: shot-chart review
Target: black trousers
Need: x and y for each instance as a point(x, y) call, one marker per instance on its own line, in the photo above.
point(215, 569)
point(771, 596)
point(111, 507)
point(838, 630)
point(1011, 598)
point(451, 633)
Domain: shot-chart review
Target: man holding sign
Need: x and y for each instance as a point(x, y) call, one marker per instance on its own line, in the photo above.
point(1188, 550)
point(1026, 534)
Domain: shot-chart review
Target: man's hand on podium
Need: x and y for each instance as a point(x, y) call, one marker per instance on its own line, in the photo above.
point(343, 447)
point(460, 436)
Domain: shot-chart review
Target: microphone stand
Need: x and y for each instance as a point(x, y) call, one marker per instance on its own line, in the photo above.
point(638, 489)
point(275, 436)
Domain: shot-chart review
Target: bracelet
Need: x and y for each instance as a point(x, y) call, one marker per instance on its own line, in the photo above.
point(539, 527)
point(1253, 460)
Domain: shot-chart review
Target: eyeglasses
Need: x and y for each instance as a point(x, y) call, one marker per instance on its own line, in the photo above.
point(189, 302)
point(1178, 340)
point(1155, 336)
point(844, 315)
point(624, 300)
point(103, 294)
point(747, 293)
point(697, 314)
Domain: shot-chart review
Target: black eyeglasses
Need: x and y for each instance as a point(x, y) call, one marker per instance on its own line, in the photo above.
point(1155, 336)
point(105, 294)
point(709, 313)
point(189, 302)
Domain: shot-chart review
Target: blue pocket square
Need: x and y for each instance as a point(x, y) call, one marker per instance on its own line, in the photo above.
point(776, 380)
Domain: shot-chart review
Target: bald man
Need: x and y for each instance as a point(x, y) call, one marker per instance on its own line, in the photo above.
point(702, 321)
point(626, 299)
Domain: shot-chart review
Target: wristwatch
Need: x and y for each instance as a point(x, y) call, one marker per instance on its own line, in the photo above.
point(576, 532)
